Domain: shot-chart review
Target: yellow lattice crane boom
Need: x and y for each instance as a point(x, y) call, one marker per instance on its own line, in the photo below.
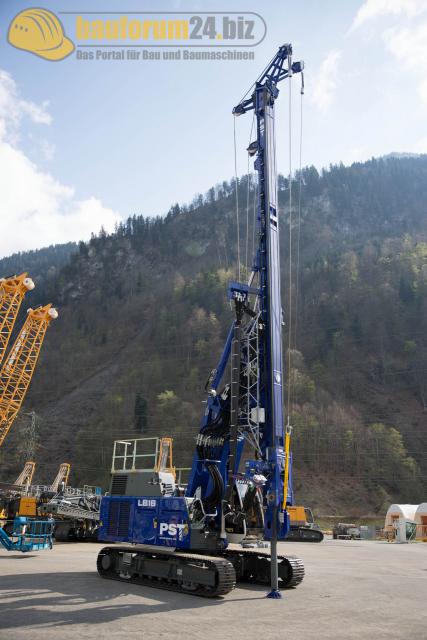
point(18, 369)
point(61, 477)
point(12, 293)
point(25, 478)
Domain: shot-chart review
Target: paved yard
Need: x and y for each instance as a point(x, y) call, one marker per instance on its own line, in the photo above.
point(352, 589)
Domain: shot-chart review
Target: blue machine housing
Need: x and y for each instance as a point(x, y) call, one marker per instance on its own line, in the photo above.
point(163, 522)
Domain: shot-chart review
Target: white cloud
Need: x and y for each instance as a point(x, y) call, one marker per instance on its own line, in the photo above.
point(37, 113)
point(406, 41)
point(408, 44)
point(420, 146)
point(37, 210)
point(358, 153)
point(326, 81)
point(48, 149)
point(372, 9)
point(13, 108)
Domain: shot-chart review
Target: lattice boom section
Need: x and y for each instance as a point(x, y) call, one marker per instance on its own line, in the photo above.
point(61, 477)
point(12, 293)
point(26, 475)
point(18, 369)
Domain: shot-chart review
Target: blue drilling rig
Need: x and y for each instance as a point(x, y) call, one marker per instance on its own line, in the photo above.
point(189, 534)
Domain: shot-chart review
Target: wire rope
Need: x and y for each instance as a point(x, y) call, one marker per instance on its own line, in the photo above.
point(297, 275)
point(247, 203)
point(237, 199)
point(290, 373)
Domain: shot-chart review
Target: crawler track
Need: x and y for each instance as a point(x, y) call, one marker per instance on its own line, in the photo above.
point(199, 575)
point(254, 566)
point(304, 534)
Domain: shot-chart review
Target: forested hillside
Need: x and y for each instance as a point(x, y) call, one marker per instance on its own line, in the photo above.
point(144, 314)
point(45, 264)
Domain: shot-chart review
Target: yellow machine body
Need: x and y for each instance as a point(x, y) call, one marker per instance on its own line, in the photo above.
point(297, 515)
point(27, 507)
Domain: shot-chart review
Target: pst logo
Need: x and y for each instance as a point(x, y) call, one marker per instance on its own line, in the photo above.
point(172, 529)
point(39, 31)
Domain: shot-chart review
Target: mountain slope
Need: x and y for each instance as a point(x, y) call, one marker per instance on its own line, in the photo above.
point(144, 316)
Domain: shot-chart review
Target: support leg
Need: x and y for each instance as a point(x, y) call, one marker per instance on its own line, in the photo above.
point(274, 593)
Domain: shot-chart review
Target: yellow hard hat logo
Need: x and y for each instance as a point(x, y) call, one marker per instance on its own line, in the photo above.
point(39, 31)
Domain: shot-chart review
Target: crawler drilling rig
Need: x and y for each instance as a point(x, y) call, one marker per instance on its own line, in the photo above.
point(189, 535)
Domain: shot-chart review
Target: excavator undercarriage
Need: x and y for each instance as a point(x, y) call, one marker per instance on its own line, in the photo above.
point(201, 575)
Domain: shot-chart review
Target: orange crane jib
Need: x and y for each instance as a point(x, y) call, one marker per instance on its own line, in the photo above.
point(12, 293)
point(61, 477)
point(18, 368)
point(26, 475)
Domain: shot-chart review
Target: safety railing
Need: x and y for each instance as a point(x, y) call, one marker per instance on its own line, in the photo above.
point(33, 535)
point(86, 490)
point(182, 476)
point(135, 455)
point(143, 454)
point(28, 535)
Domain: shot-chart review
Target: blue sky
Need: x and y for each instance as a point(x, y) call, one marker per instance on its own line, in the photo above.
point(84, 143)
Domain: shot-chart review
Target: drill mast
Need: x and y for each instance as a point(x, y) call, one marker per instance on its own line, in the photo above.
point(250, 407)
